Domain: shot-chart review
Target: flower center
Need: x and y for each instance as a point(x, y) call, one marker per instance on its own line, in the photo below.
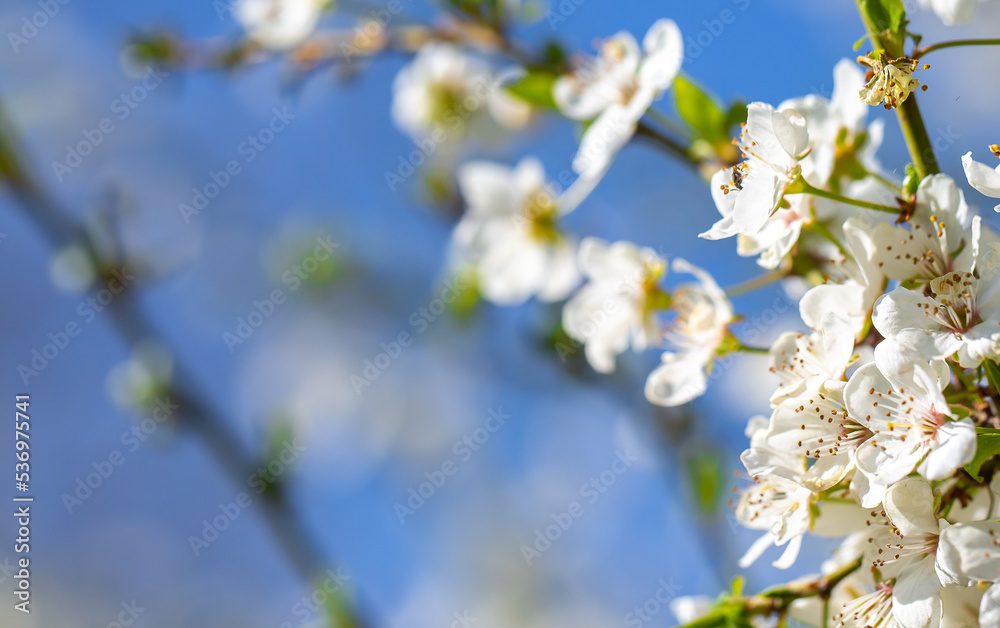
point(954, 297)
point(541, 213)
point(871, 611)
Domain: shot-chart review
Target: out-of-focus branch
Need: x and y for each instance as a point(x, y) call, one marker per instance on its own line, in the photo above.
point(196, 412)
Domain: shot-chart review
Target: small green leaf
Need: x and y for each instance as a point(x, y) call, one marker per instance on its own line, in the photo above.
point(987, 446)
point(992, 374)
point(960, 412)
point(535, 88)
point(706, 476)
point(886, 15)
point(700, 111)
point(736, 116)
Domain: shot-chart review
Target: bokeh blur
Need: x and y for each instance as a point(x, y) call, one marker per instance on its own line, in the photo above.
point(388, 472)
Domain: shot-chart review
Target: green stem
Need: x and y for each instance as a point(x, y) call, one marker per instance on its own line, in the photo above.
point(774, 600)
point(801, 186)
point(823, 231)
point(668, 143)
point(886, 182)
point(661, 118)
point(752, 284)
point(987, 430)
point(952, 44)
point(911, 123)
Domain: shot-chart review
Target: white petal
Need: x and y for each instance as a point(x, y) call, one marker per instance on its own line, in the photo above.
point(677, 381)
point(664, 48)
point(989, 608)
point(981, 176)
point(848, 79)
point(916, 597)
point(909, 504)
point(955, 447)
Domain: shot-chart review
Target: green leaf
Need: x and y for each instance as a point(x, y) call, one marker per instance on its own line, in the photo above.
point(535, 88)
point(987, 446)
point(886, 15)
point(736, 116)
point(700, 111)
point(992, 374)
point(706, 476)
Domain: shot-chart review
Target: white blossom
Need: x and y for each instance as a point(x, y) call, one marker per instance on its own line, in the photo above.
point(616, 88)
point(511, 232)
point(912, 424)
point(616, 308)
point(445, 89)
point(951, 11)
point(772, 142)
point(701, 316)
point(278, 24)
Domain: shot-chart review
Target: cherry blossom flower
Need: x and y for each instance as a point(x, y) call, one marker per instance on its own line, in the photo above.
point(981, 176)
point(616, 308)
point(278, 24)
point(616, 88)
point(747, 195)
point(973, 551)
point(956, 314)
point(701, 316)
point(936, 241)
point(784, 500)
point(892, 81)
point(912, 424)
point(445, 89)
point(511, 232)
point(951, 11)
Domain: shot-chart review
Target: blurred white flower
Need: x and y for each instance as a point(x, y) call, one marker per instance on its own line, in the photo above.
point(836, 127)
point(71, 269)
point(616, 88)
point(144, 377)
point(616, 308)
point(438, 93)
point(511, 232)
point(279, 24)
point(951, 11)
point(702, 314)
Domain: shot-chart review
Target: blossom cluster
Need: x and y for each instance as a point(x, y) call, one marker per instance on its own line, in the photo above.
point(883, 423)
point(873, 423)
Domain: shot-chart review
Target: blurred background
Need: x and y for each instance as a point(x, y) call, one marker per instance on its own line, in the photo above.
point(375, 260)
